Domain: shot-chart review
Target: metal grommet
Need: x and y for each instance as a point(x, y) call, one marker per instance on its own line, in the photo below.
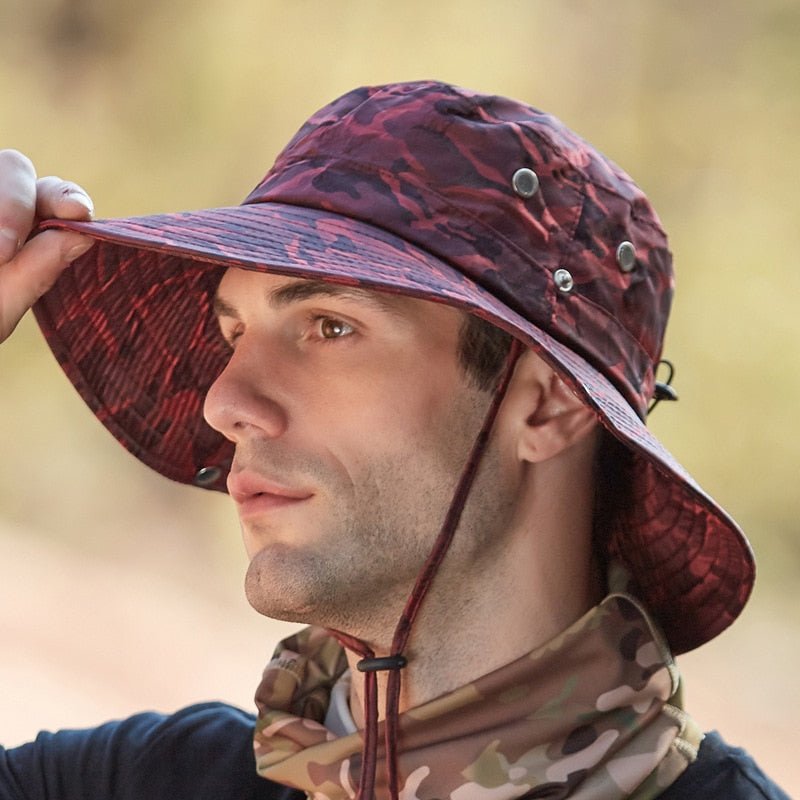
point(626, 256)
point(525, 182)
point(206, 476)
point(563, 280)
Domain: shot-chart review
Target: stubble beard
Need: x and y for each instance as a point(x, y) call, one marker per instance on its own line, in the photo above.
point(356, 572)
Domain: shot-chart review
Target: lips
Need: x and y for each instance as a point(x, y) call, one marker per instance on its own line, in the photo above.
point(254, 494)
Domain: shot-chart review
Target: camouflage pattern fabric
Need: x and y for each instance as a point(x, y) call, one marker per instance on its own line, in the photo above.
point(595, 713)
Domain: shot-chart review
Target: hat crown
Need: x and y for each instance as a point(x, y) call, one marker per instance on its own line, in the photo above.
point(439, 166)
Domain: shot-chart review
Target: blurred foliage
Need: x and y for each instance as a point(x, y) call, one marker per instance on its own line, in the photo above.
point(166, 106)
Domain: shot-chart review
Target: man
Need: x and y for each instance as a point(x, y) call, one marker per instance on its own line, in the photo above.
point(419, 358)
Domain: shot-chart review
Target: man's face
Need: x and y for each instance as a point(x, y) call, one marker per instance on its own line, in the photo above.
point(352, 420)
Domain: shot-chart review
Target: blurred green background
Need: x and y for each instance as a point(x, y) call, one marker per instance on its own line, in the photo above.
point(159, 106)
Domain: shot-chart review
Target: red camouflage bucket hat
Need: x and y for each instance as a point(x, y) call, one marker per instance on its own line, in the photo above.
point(440, 193)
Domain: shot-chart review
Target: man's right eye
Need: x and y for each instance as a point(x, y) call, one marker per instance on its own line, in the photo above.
point(332, 328)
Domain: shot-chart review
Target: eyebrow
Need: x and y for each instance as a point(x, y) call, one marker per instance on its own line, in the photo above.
point(223, 309)
point(305, 289)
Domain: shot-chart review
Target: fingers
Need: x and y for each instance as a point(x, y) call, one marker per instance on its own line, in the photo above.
point(24, 200)
point(28, 270)
point(62, 199)
point(17, 201)
point(24, 279)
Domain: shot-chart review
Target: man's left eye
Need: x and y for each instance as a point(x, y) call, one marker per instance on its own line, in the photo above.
point(331, 328)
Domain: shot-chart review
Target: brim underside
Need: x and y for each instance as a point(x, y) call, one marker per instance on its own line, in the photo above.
point(131, 324)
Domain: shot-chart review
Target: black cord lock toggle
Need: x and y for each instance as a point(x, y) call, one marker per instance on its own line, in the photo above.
point(379, 664)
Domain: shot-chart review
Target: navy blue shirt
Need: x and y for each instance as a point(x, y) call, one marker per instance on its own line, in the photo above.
point(205, 752)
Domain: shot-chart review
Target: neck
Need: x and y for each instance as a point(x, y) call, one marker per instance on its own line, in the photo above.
point(514, 597)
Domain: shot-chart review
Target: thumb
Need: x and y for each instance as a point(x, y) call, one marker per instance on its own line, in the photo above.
point(34, 269)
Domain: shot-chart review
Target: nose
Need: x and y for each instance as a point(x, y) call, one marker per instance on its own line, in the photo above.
point(239, 403)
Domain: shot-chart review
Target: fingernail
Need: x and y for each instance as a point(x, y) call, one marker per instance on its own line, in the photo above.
point(78, 250)
point(83, 199)
point(9, 242)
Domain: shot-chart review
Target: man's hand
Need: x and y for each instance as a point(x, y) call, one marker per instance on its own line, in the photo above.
point(27, 271)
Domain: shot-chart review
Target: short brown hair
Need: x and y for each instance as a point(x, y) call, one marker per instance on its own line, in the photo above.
point(482, 351)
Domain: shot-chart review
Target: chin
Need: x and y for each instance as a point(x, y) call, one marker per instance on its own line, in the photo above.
point(283, 583)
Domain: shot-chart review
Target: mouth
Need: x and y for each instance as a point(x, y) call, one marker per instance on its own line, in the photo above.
point(255, 495)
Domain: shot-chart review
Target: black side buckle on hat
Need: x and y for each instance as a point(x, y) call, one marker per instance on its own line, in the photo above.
point(663, 389)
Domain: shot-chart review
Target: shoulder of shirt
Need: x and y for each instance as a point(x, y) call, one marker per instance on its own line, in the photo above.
point(722, 771)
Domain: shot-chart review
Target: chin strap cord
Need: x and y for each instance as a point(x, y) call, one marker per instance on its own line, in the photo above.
point(369, 753)
point(370, 664)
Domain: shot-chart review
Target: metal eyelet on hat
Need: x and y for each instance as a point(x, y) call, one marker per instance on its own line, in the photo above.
point(563, 280)
point(626, 256)
point(206, 476)
point(525, 182)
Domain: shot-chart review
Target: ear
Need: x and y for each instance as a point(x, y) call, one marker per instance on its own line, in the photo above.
point(548, 416)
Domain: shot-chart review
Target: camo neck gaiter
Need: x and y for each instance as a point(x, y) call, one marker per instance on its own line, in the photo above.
point(594, 714)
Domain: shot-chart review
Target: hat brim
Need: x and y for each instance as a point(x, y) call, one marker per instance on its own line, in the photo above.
point(132, 327)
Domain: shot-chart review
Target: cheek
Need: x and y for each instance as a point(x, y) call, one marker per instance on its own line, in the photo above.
point(353, 398)
point(402, 412)
point(425, 435)
point(415, 411)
